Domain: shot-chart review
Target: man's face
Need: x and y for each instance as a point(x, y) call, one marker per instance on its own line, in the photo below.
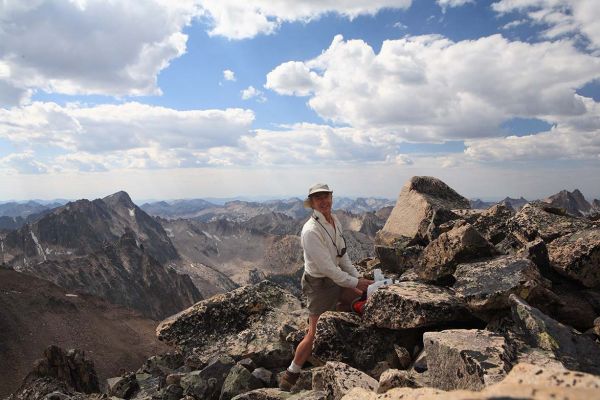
point(322, 202)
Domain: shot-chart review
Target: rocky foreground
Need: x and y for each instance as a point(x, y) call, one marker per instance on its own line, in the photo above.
point(489, 305)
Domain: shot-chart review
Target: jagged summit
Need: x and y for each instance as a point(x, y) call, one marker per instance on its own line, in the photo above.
point(120, 198)
point(573, 202)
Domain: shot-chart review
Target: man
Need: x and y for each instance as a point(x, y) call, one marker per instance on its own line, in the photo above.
point(330, 281)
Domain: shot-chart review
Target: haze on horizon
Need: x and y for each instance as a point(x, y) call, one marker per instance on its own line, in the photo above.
point(197, 99)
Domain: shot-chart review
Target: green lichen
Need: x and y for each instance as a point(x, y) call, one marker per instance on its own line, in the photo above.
point(546, 341)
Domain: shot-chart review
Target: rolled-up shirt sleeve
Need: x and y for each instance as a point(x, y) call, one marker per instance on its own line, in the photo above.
point(318, 259)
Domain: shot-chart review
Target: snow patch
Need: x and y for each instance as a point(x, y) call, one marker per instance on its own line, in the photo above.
point(169, 232)
point(39, 247)
point(190, 233)
point(71, 295)
point(132, 212)
point(213, 237)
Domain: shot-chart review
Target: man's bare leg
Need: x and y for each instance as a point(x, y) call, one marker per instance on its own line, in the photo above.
point(304, 349)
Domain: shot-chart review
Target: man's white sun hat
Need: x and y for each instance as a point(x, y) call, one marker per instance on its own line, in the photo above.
point(314, 189)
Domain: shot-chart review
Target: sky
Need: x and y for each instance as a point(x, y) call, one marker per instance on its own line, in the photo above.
point(220, 98)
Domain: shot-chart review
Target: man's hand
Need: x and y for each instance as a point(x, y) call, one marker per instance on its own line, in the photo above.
point(363, 284)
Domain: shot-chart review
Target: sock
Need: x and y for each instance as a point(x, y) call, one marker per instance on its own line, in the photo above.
point(294, 368)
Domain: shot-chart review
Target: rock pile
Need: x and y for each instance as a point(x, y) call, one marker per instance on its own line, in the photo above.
point(488, 308)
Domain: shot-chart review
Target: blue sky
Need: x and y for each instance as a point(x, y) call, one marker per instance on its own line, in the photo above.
point(205, 98)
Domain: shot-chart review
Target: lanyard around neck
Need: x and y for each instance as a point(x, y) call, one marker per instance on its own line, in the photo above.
point(316, 218)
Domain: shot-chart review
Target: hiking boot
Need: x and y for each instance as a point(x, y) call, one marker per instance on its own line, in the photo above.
point(288, 380)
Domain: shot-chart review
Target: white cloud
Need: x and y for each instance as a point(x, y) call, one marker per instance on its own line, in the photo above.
point(91, 46)
point(229, 75)
point(251, 92)
point(293, 78)
point(23, 163)
point(428, 88)
point(453, 3)
point(245, 19)
point(313, 144)
point(573, 138)
point(514, 24)
point(130, 135)
point(561, 16)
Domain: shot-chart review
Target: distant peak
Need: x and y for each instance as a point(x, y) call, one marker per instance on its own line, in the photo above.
point(120, 197)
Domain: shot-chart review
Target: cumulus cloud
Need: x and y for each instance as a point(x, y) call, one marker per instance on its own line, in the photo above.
point(561, 16)
point(90, 46)
point(251, 92)
point(245, 19)
point(430, 89)
point(229, 75)
point(292, 78)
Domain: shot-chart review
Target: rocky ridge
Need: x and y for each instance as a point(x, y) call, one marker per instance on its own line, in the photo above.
point(480, 312)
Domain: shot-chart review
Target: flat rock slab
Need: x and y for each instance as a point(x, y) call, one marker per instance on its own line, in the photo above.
point(524, 381)
point(575, 351)
point(407, 305)
point(417, 203)
point(264, 394)
point(337, 379)
point(344, 337)
point(486, 286)
point(577, 256)
point(466, 359)
point(461, 244)
point(245, 323)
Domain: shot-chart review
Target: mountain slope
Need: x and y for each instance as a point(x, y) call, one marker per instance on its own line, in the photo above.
point(122, 274)
point(35, 313)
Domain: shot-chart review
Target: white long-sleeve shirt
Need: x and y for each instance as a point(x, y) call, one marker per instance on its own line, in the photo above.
point(320, 253)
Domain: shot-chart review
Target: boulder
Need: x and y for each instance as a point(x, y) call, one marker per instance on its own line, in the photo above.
point(492, 224)
point(123, 387)
point(207, 383)
point(577, 256)
point(344, 337)
point(239, 380)
point(461, 244)
point(264, 375)
point(336, 379)
point(575, 351)
point(407, 305)
point(249, 322)
point(394, 378)
point(398, 257)
point(485, 286)
point(466, 359)
point(539, 220)
point(170, 392)
point(416, 207)
point(163, 364)
point(536, 251)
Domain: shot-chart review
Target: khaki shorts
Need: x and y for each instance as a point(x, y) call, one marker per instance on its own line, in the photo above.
point(322, 294)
